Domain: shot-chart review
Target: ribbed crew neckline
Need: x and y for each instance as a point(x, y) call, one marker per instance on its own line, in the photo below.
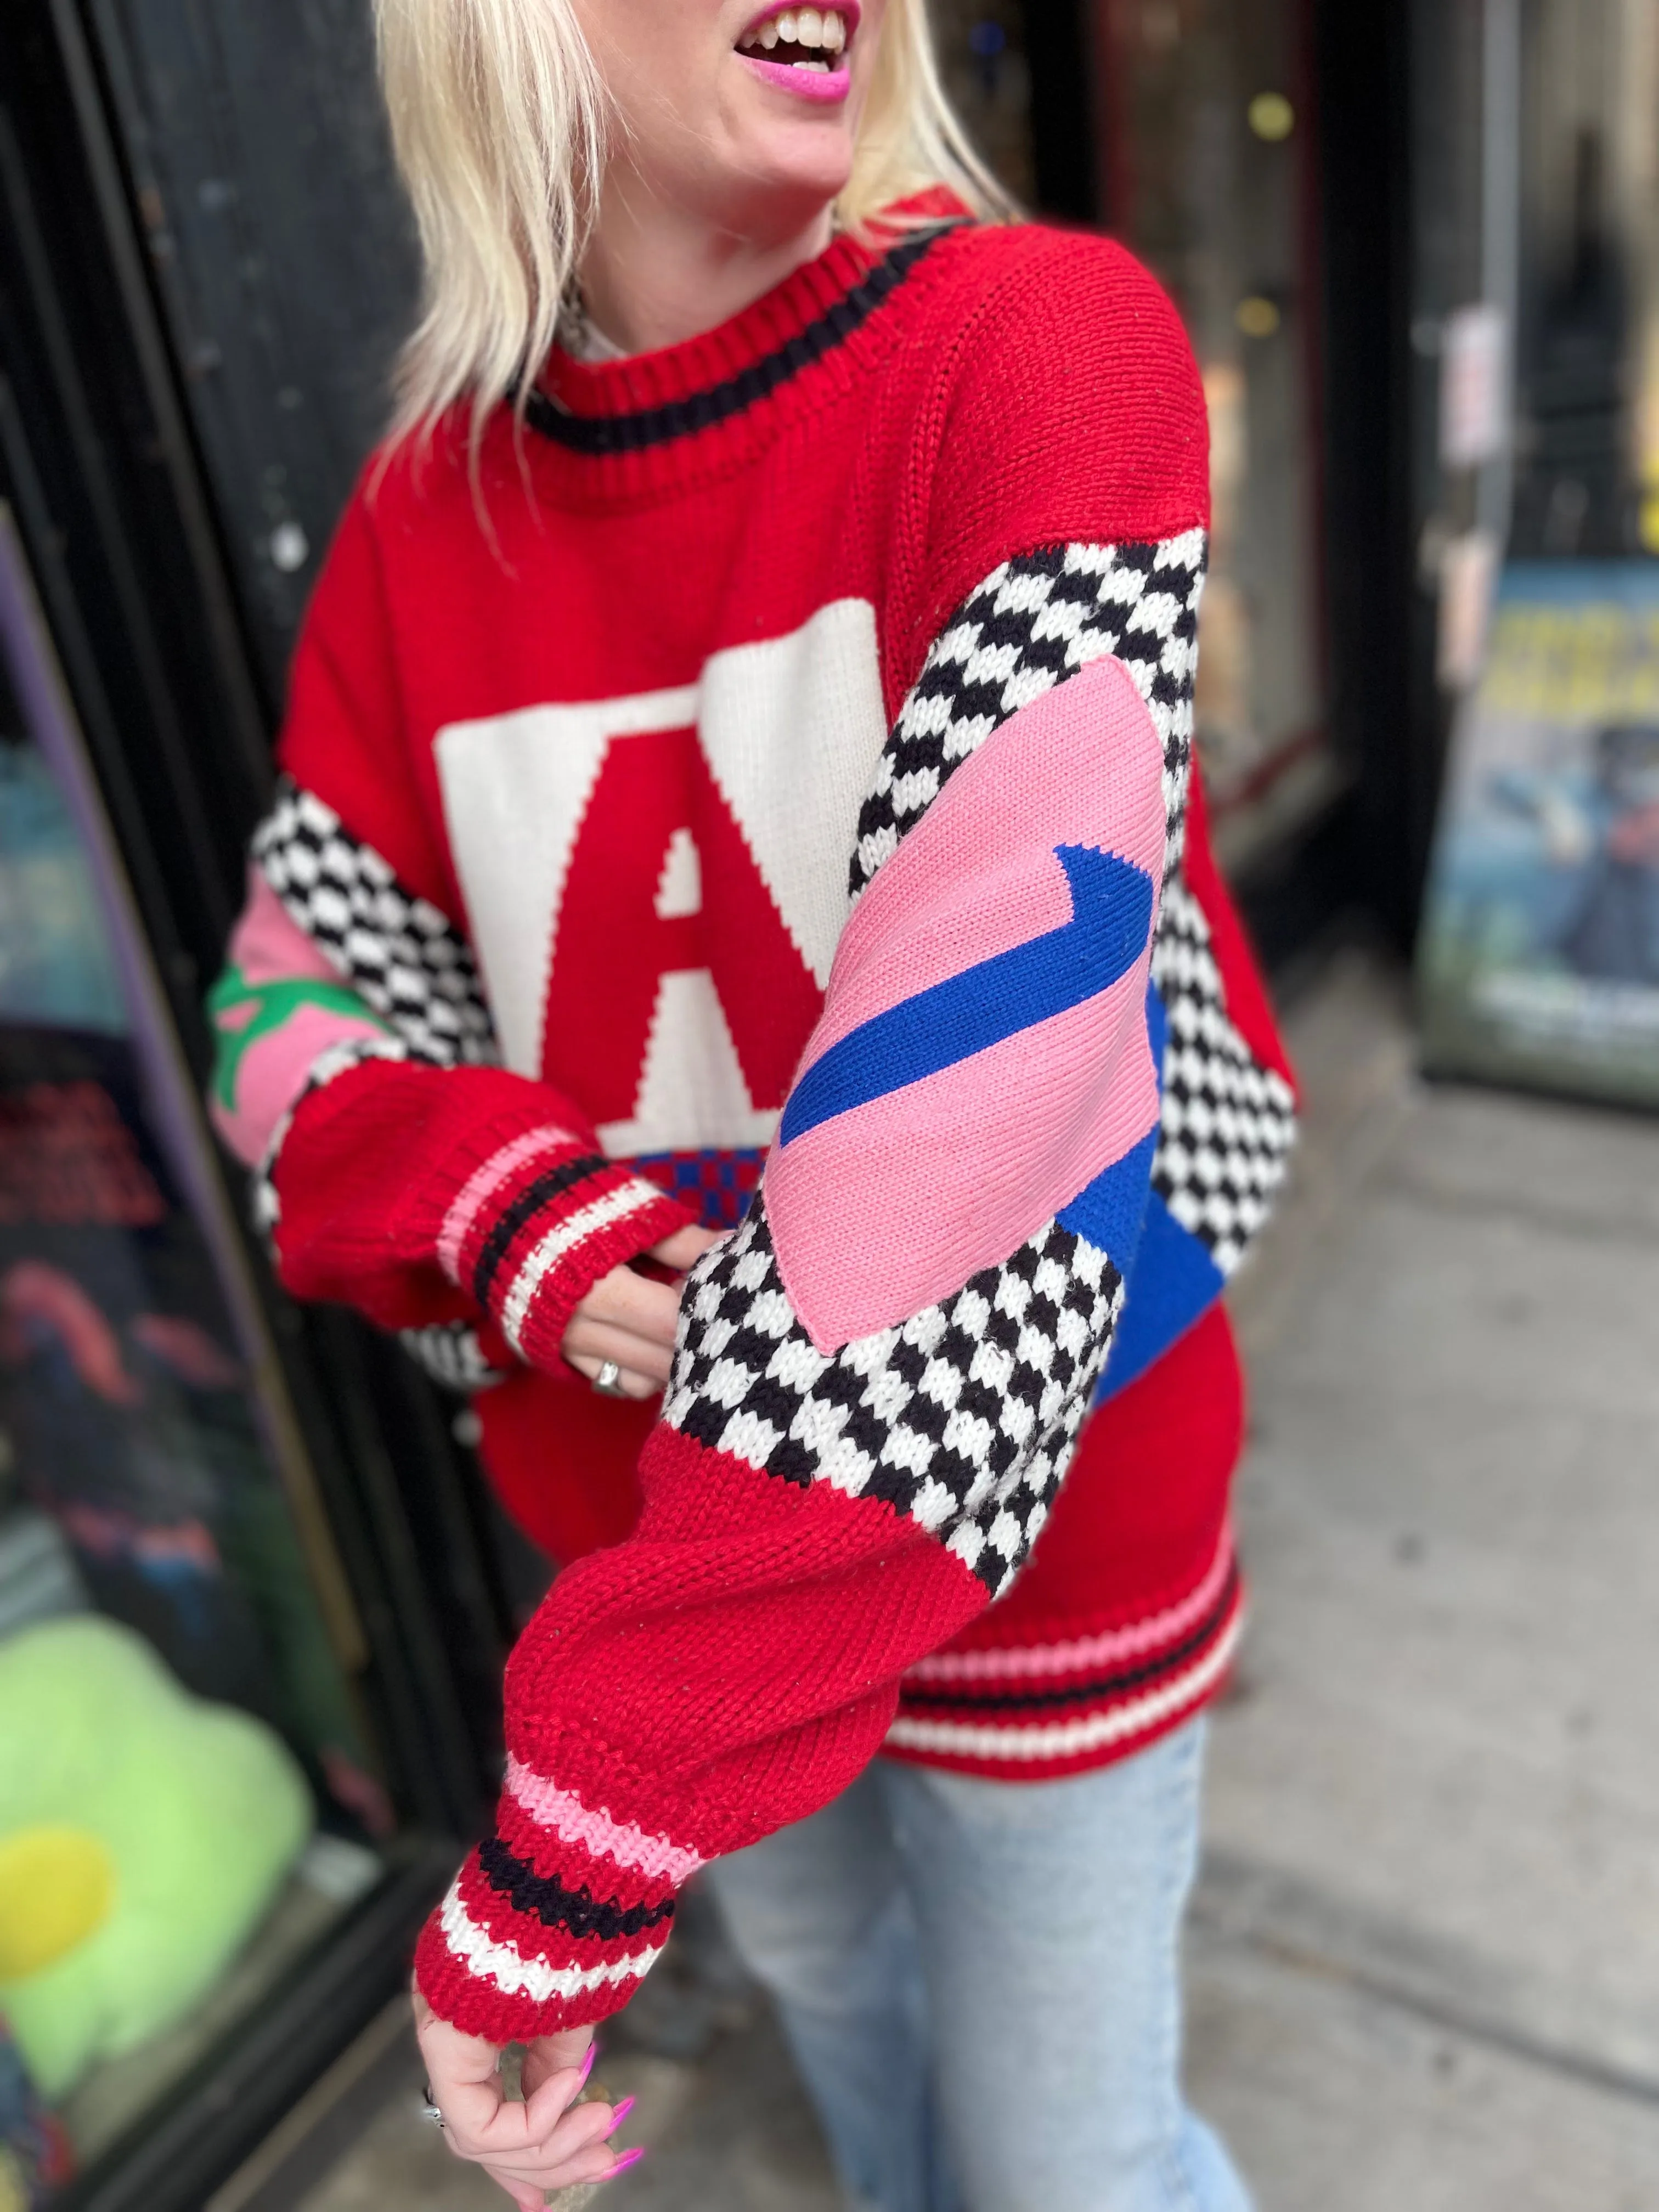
point(647, 409)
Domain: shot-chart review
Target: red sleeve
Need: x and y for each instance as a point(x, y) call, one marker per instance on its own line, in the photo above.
point(422, 1194)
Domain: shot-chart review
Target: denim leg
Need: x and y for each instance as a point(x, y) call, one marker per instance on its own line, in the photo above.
point(1049, 1917)
point(818, 1914)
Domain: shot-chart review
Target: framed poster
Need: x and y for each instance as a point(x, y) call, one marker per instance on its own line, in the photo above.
point(1538, 957)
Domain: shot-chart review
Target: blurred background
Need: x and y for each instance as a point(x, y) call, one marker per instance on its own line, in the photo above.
point(1416, 244)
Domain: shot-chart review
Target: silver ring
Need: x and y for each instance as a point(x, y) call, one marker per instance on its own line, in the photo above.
point(608, 1381)
point(429, 2110)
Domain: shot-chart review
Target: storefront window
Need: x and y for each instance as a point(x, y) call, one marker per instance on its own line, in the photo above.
point(1540, 947)
point(189, 1795)
point(1202, 152)
point(1205, 174)
point(1587, 476)
point(982, 48)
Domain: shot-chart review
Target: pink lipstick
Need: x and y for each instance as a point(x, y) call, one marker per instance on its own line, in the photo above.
point(803, 50)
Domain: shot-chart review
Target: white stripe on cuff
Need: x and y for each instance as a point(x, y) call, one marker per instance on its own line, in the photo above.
point(562, 1239)
point(506, 1965)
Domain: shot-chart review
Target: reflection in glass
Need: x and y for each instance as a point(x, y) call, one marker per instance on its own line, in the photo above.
point(1202, 149)
point(187, 1794)
point(1587, 483)
point(1205, 180)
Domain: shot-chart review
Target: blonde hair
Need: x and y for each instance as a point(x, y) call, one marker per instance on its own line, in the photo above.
point(500, 122)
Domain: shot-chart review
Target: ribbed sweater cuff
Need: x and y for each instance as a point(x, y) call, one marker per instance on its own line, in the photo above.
point(554, 1920)
point(530, 1215)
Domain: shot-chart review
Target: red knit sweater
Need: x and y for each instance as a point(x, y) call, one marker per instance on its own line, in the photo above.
point(797, 760)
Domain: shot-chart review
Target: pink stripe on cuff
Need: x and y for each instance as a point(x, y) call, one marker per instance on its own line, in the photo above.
point(550, 1807)
point(483, 1184)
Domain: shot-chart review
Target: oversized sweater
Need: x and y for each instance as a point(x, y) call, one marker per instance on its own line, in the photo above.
point(759, 792)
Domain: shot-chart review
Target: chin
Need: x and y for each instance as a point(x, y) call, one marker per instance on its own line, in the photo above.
point(782, 178)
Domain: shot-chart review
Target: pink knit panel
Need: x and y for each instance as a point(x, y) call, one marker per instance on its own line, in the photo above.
point(884, 1210)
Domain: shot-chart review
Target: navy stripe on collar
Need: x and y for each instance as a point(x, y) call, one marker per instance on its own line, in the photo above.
point(604, 435)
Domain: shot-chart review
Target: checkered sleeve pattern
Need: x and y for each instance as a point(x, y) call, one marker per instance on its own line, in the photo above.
point(450, 1354)
point(1228, 1123)
point(405, 959)
point(963, 1419)
point(1034, 621)
point(406, 962)
point(409, 966)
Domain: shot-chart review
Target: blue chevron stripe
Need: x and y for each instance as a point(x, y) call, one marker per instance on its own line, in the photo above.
point(993, 1000)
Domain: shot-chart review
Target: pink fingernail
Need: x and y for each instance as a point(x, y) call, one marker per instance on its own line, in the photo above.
point(587, 2064)
point(623, 2111)
point(629, 2158)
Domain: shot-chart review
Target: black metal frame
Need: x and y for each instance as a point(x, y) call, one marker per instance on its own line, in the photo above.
point(1381, 654)
point(1365, 857)
point(1059, 54)
point(100, 467)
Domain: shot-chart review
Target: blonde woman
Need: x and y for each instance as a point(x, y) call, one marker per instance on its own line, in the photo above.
point(736, 974)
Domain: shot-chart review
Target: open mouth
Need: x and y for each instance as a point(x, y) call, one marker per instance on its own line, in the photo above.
point(812, 40)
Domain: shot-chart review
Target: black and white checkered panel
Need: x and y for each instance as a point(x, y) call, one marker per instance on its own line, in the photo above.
point(1034, 621)
point(1228, 1123)
point(408, 963)
point(409, 966)
point(962, 1419)
point(451, 1354)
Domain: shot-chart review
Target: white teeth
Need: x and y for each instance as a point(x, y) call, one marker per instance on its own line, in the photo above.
point(824, 29)
point(822, 68)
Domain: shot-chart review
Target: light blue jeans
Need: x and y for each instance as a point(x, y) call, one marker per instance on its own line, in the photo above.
point(981, 1982)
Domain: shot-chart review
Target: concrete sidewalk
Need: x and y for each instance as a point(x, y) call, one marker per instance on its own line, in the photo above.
point(1425, 1967)
point(1424, 1964)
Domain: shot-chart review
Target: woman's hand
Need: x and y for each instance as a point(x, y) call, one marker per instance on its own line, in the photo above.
point(628, 1317)
point(549, 2141)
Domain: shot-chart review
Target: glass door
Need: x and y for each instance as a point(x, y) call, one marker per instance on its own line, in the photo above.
point(243, 1551)
point(193, 1795)
point(1539, 297)
point(1206, 154)
point(1587, 478)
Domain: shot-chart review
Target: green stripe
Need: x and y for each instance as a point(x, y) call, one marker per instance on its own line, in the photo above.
point(272, 1005)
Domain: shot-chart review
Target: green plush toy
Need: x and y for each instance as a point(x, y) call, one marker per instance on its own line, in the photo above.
point(142, 1833)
